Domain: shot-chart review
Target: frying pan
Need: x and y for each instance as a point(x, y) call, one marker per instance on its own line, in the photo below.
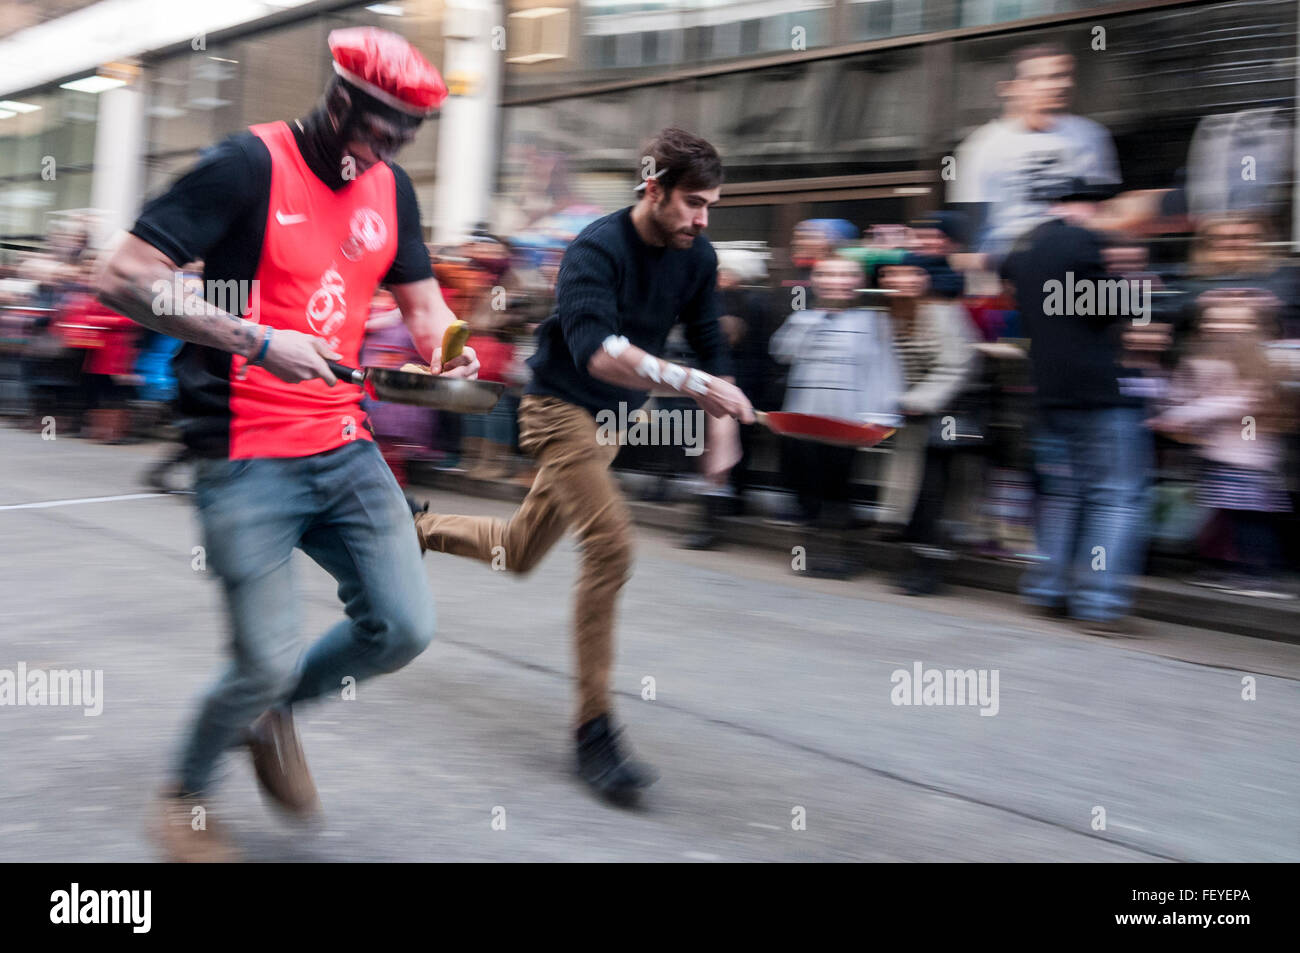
point(422, 390)
point(840, 433)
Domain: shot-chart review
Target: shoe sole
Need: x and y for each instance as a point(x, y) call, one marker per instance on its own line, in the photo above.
point(298, 812)
point(158, 831)
point(630, 797)
point(621, 797)
point(266, 767)
point(1109, 633)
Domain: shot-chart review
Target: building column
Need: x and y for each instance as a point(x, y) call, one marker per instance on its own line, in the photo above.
point(1295, 144)
point(117, 183)
point(467, 134)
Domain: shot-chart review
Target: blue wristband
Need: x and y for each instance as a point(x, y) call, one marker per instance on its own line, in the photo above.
point(261, 353)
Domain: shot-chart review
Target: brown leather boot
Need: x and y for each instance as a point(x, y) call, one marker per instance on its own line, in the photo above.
point(187, 835)
point(280, 763)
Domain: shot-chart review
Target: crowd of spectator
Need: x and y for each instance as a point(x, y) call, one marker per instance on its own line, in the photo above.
point(1080, 378)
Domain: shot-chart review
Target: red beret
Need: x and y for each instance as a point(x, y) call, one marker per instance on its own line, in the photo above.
point(387, 67)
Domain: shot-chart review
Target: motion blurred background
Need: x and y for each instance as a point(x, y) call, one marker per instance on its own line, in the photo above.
point(848, 130)
point(851, 112)
point(821, 110)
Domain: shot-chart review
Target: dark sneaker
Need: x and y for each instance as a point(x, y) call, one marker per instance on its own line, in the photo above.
point(1125, 627)
point(702, 539)
point(186, 834)
point(158, 476)
point(280, 763)
point(924, 576)
point(832, 566)
point(918, 583)
point(708, 533)
point(1209, 579)
point(156, 479)
point(1053, 610)
point(606, 766)
point(790, 517)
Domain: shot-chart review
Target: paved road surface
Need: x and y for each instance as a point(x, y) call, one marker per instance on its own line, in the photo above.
point(772, 694)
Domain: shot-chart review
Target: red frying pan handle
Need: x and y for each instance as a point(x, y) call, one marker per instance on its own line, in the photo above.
point(352, 375)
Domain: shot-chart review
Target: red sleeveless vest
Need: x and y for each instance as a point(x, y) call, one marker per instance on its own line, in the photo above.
point(323, 256)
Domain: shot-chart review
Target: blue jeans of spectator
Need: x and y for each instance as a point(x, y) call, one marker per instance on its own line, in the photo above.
point(498, 425)
point(1094, 467)
point(343, 508)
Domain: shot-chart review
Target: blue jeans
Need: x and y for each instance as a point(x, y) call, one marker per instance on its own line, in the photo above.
point(1094, 467)
point(344, 509)
point(497, 425)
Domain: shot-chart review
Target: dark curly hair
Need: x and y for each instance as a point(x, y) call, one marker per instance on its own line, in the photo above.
point(680, 160)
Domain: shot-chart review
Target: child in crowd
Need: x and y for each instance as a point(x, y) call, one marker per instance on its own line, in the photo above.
point(1226, 399)
point(842, 365)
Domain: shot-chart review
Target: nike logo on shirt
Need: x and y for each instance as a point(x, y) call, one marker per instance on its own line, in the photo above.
point(289, 219)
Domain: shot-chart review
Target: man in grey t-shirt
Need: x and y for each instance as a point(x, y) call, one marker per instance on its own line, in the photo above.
point(1011, 166)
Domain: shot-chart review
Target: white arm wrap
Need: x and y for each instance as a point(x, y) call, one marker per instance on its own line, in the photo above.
point(674, 376)
point(649, 367)
point(615, 345)
point(698, 382)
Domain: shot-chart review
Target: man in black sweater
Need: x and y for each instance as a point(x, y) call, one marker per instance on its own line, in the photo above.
point(623, 284)
point(1093, 453)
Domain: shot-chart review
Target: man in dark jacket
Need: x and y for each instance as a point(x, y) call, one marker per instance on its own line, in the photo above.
point(1093, 454)
point(624, 282)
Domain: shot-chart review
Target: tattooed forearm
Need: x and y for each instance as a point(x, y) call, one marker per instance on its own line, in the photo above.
point(195, 320)
point(425, 312)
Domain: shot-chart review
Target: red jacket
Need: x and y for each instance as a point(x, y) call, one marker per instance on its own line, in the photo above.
point(107, 335)
point(494, 357)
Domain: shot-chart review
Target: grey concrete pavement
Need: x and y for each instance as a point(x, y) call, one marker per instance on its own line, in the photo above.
point(772, 693)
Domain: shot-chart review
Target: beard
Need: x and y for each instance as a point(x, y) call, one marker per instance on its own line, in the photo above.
point(670, 236)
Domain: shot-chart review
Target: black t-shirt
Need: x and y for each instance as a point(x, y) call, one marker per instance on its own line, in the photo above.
point(613, 283)
point(1075, 358)
point(217, 212)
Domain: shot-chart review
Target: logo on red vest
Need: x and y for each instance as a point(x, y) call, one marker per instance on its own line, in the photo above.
point(327, 308)
point(368, 233)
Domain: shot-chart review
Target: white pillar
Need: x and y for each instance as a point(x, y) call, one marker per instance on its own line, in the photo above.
point(116, 186)
point(467, 148)
point(1295, 165)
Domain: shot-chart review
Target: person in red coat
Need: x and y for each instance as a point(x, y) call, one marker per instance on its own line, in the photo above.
point(109, 340)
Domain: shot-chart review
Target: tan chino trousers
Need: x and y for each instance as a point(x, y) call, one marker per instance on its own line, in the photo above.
point(575, 490)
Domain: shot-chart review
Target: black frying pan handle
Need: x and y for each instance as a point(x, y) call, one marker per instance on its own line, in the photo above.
point(352, 375)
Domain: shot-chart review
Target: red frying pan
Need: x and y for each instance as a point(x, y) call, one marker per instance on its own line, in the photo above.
point(841, 433)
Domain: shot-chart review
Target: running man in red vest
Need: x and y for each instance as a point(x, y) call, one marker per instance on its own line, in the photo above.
point(297, 224)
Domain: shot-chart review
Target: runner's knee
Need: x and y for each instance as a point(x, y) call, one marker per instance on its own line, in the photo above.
point(269, 679)
point(407, 632)
point(523, 560)
point(609, 548)
point(525, 563)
